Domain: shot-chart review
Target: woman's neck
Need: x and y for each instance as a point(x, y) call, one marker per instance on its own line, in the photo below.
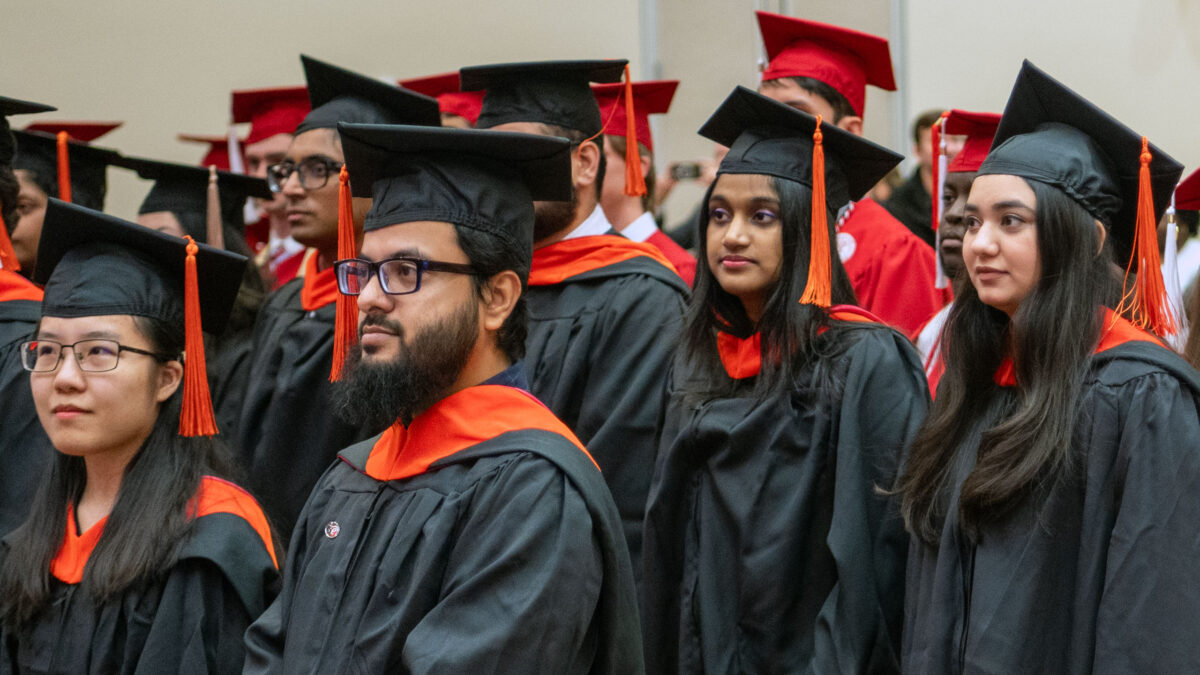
point(104, 473)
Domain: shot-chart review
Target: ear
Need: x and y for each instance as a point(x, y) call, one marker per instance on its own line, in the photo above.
point(1101, 235)
point(852, 124)
point(585, 165)
point(170, 376)
point(500, 295)
point(646, 164)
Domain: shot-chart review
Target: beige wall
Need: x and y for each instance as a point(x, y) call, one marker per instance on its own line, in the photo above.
point(167, 67)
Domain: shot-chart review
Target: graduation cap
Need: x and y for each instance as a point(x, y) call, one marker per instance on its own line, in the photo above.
point(483, 180)
point(93, 264)
point(80, 169)
point(1051, 134)
point(844, 59)
point(771, 138)
point(451, 100)
point(270, 112)
point(652, 97)
point(340, 95)
point(979, 128)
point(546, 92)
point(218, 149)
point(1187, 194)
point(183, 189)
point(12, 106)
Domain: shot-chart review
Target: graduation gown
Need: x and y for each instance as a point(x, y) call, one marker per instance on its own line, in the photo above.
point(190, 621)
point(891, 269)
point(1099, 573)
point(768, 549)
point(645, 229)
point(287, 433)
point(465, 543)
point(604, 315)
point(912, 205)
point(24, 447)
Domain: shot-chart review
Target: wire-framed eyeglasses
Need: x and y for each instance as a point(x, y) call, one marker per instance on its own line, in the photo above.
point(93, 356)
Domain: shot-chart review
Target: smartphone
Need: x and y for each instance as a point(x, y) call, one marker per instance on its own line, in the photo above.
point(685, 171)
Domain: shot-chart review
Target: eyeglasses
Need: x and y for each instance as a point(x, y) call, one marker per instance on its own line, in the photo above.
point(93, 356)
point(314, 173)
point(397, 276)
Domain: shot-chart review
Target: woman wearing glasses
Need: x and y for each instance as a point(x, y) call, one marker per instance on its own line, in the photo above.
point(768, 545)
point(138, 555)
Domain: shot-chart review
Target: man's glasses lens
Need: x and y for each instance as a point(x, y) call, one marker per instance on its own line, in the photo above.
point(40, 356)
point(396, 277)
point(314, 173)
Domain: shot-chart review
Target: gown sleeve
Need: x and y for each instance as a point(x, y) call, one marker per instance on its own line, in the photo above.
point(884, 402)
point(1147, 614)
point(521, 584)
point(198, 625)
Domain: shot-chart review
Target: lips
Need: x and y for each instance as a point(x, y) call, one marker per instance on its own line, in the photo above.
point(735, 261)
point(68, 411)
point(984, 273)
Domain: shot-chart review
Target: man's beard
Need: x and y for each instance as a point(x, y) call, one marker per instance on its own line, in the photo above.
point(550, 218)
point(375, 395)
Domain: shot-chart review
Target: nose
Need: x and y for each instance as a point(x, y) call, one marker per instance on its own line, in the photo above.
point(372, 299)
point(69, 376)
point(983, 241)
point(737, 235)
point(291, 185)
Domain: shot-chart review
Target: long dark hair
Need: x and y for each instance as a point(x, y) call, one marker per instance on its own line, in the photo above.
point(789, 329)
point(1052, 335)
point(148, 522)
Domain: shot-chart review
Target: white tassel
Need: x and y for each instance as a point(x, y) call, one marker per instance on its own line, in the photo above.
point(942, 281)
point(1171, 281)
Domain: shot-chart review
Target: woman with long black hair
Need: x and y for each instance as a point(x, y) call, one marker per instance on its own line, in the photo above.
point(768, 546)
point(138, 554)
point(1052, 492)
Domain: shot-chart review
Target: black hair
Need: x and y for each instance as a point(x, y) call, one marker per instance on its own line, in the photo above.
point(1052, 335)
point(924, 121)
point(1188, 220)
point(578, 138)
point(620, 145)
point(788, 328)
point(10, 188)
point(841, 106)
point(152, 516)
point(489, 256)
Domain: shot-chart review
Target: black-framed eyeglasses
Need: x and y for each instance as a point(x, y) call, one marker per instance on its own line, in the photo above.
point(397, 276)
point(314, 173)
point(93, 356)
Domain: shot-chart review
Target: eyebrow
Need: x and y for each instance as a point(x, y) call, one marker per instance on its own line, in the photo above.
point(90, 335)
point(316, 156)
point(1000, 206)
point(753, 200)
point(410, 252)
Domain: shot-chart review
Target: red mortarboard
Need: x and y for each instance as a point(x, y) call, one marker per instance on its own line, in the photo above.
point(270, 111)
point(445, 89)
point(84, 132)
point(1187, 195)
point(979, 128)
point(218, 149)
point(649, 98)
point(844, 59)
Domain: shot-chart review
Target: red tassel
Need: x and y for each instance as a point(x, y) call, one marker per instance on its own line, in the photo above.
point(1146, 303)
point(635, 183)
point(345, 329)
point(817, 289)
point(64, 167)
point(8, 257)
point(197, 417)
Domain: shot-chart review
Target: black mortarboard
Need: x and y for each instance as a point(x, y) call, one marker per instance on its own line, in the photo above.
point(1051, 134)
point(37, 152)
point(765, 136)
point(95, 264)
point(546, 92)
point(181, 188)
point(486, 180)
point(13, 106)
point(340, 95)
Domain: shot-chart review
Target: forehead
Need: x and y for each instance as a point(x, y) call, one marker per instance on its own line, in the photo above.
point(787, 91)
point(25, 181)
point(524, 127)
point(277, 144)
point(960, 180)
point(743, 186)
point(315, 142)
point(68, 329)
point(430, 239)
point(995, 188)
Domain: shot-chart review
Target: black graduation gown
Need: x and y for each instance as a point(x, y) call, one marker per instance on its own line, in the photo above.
point(598, 352)
point(504, 557)
point(287, 432)
point(24, 447)
point(192, 621)
point(1100, 574)
point(768, 548)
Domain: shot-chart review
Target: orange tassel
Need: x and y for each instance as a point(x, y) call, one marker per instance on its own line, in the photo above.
point(1146, 302)
point(635, 183)
point(817, 289)
point(345, 328)
point(8, 257)
point(64, 167)
point(197, 417)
